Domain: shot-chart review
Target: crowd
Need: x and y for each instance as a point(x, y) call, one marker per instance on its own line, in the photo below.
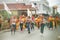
point(30, 22)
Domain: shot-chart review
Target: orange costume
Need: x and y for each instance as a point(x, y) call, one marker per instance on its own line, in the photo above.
point(24, 20)
point(51, 19)
point(17, 23)
point(36, 21)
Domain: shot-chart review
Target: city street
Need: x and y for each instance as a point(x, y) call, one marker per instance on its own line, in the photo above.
point(35, 35)
point(29, 14)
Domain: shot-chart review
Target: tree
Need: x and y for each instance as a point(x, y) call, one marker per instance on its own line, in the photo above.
point(4, 14)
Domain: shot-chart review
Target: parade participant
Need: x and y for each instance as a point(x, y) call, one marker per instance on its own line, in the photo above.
point(33, 18)
point(50, 22)
point(47, 22)
point(53, 19)
point(21, 23)
point(32, 23)
point(24, 21)
point(0, 22)
point(38, 22)
point(56, 21)
point(17, 23)
point(28, 24)
point(42, 24)
point(13, 24)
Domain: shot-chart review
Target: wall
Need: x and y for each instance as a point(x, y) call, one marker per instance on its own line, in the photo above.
point(14, 12)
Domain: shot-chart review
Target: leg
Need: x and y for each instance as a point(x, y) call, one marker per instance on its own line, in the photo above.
point(55, 25)
point(38, 25)
point(21, 26)
point(33, 26)
point(28, 29)
point(14, 30)
point(11, 30)
point(42, 28)
point(14, 27)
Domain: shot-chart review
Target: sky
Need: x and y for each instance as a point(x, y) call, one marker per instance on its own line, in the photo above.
point(52, 2)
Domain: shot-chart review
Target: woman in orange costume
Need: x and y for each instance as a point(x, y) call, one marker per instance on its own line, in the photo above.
point(24, 20)
point(53, 19)
point(17, 23)
point(36, 21)
point(42, 24)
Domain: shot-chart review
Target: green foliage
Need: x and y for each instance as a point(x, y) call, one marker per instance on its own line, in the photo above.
point(5, 14)
point(57, 14)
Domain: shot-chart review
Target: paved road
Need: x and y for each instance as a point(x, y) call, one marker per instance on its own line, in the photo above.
point(35, 35)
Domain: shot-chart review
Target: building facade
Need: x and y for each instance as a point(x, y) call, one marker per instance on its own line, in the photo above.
point(18, 9)
point(42, 6)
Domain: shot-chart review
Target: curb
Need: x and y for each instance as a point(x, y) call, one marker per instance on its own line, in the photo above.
point(4, 31)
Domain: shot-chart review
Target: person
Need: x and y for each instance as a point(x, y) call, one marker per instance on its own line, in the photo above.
point(50, 22)
point(56, 21)
point(32, 23)
point(42, 24)
point(21, 22)
point(0, 22)
point(28, 24)
point(24, 21)
point(53, 21)
point(17, 23)
point(13, 24)
point(38, 22)
point(47, 22)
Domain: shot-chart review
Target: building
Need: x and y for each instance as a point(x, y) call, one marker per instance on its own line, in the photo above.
point(18, 8)
point(41, 6)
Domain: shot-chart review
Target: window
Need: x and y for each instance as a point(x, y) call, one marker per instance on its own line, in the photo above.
point(35, 4)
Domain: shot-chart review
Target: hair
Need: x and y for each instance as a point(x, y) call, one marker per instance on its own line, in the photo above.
point(28, 16)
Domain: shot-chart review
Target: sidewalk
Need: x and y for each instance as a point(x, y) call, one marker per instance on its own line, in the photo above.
point(4, 31)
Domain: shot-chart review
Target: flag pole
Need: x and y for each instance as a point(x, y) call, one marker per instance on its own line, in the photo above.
point(7, 9)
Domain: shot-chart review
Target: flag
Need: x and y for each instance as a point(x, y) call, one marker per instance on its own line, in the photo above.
point(6, 8)
point(29, 13)
point(33, 5)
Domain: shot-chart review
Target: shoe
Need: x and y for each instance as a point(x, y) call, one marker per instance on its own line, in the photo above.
point(28, 32)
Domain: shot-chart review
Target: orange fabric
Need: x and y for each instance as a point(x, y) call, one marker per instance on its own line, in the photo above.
point(24, 19)
point(24, 26)
point(50, 19)
point(36, 20)
point(17, 25)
